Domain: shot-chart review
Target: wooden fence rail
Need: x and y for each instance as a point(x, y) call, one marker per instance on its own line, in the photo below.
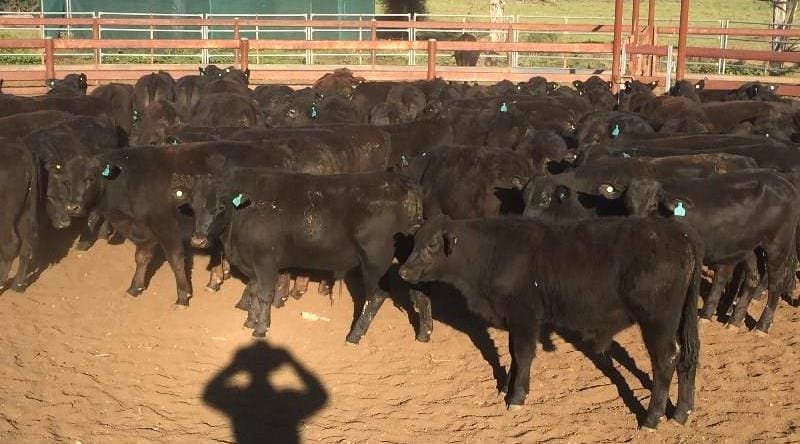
point(642, 43)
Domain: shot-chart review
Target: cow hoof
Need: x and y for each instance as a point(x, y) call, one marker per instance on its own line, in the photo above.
point(353, 339)
point(647, 429)
point(514, 407)
point(680, 418)
point(249, 324)
point(424, 337)
point(212, 288)
point(704, 321)
point(260, 332)
point(83, 246)
point(241, 305)
point(19, 288)
point(179, 306)
point(760, 333)
point(135, 292)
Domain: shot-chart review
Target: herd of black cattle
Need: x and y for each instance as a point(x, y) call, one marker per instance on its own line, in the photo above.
point(542, 204)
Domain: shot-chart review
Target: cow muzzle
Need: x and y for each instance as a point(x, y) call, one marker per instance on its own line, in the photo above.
point(199, 241)
point(74, 209)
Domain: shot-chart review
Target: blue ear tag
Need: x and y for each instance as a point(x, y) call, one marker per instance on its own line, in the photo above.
point(679, 211)
point(313, 112)
point(504, 107)
point(237, 200)
point(616, 131)
point(106, 171)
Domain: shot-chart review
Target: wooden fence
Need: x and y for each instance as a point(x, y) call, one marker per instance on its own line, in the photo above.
point(640, 44)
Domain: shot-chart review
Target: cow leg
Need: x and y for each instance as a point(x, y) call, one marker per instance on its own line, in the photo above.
point(686, 378)
point(375, 297)
point(244, 301)
point(663, 355)
point(300, 287)
point(88, 236)
point(8, 250)
point(266, 280)
point(422, 305)
point(28, 242)
point(722, 274)
point(143, 256)
point(523, 336)
point(781, 281)
point(325, 287)
point(176, 257)
point(282, 290)
point(217, 275)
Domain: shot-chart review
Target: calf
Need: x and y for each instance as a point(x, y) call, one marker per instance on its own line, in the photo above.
point(519, 274)
point(270, 221)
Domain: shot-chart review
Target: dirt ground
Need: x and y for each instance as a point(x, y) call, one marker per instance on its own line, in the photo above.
point(82, 362)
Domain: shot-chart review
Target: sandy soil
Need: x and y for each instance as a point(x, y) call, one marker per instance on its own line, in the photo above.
point(81, 361)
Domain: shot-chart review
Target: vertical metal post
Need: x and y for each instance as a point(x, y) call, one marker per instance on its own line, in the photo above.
point(683, 31)
point(637, 4)
point(616, 47)
point(510, 39)
point(152, 36)
point(244, 54)
point(373, 37)
point(96, 36)
point(49, 59)
point(431, 59)
point(236, 37)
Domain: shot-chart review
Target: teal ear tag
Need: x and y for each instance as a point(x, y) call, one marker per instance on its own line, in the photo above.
point(106, 171)
point(616, 131)
point(237, 200)
point(313, 113)
point(504, 107)
point(679, 211)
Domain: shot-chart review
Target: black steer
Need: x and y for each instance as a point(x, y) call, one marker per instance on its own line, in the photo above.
point(520, 273)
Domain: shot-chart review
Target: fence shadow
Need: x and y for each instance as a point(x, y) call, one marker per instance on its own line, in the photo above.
point(259, 412)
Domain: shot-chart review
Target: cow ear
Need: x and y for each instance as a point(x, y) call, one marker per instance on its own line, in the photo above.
point(609, 191)
point(83, 78)
point(653, 85)
point(110, 171)
point(701, 85)
point(241, 200)
point(449, 242)
point(202, 71)
point(247, 73)
point(577, 84)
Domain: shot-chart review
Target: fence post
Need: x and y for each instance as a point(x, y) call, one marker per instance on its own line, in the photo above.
point(431, 59)
point(683, 30)
point(49, 59)
point(510, 39)
point(616, 55)
point(373, 37)
point(96, 36)
point(244, 53)
point(236, 37)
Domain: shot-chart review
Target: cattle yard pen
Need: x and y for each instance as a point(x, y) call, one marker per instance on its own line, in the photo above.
point(636, 49)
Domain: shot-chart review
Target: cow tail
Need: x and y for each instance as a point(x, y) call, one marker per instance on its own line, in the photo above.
point(35, 173)
point(688, 334)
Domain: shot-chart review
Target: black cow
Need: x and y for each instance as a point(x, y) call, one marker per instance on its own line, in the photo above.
point(520, 274)
point(119, 99)
point(155, 123)
point(19, 190)
point(70, 85)
point(225, 109)
point(22, 124)
point(270, 221)
point(466, 58)
point(152, 88)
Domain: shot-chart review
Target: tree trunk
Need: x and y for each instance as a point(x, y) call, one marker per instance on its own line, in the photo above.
point(497, 10)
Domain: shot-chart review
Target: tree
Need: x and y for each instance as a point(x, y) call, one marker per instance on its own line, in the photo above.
point(783, 12)
point(19, 5)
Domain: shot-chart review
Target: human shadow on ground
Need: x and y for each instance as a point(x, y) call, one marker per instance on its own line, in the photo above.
point(258, 411)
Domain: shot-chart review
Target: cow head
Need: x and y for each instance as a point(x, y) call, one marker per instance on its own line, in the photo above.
point(57, 194)
point(545, 196)
point(76, 186)
point(210, 206)
point(434, 245)
point(646, 197)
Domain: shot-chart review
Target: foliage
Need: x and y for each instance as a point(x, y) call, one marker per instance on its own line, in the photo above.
point(405, 6)
point(19, 5)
